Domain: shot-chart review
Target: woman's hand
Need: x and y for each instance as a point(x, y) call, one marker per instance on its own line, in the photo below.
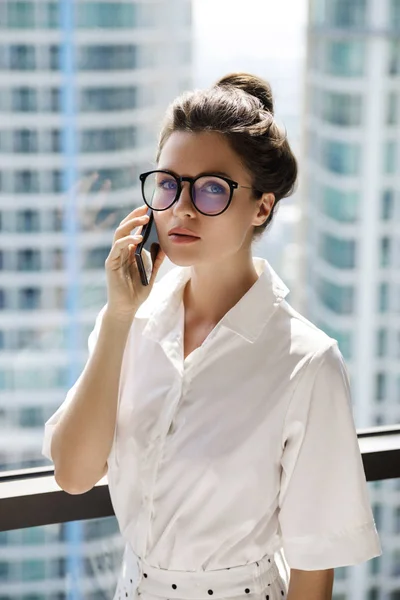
point(125, 289)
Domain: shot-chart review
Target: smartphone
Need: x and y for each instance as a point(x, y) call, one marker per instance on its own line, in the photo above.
point(146, 252)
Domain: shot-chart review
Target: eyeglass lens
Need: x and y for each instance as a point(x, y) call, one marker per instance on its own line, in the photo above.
point(210, 193)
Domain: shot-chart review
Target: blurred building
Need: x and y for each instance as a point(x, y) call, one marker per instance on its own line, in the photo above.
point(83, 88)
point(351, 221)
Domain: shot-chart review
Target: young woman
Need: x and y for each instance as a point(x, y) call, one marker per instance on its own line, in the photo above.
point(221, 415)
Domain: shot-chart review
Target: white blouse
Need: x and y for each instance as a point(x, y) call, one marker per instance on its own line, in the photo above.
point(246, 447)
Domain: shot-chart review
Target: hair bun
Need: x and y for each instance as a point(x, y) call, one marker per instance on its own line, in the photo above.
point(253, 85)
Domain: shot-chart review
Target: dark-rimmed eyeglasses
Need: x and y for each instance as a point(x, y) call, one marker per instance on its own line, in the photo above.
point(210, 194)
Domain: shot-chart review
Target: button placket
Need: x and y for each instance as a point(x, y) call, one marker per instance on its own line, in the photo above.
point(151, 462)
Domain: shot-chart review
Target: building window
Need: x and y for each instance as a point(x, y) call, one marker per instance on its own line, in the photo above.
point(105, 99)
point(2, 300)
point(27, 338)
point(5, 571)
point(96, 257)
point(24, 99)
point(28, 260)
point(25, 141)
point(396, 563)
point(52, 100)
point(390, 157)
point(51, 15)
point(33, 570)
point(373, 594)
point(20, 15)
point(394, 57)
point(382, 342)
point(55, 141)
point(27, 221)
point(31, 416)
point(385, 251)
point(380, 386)
point(54, 58)
point(57, 259)
point(396, 520)
point(109, 15)
point(338, 252)
point(392, 111)
point(394, 19)
point(338, 298)
point(105, 140)
point(383, 302)
point(340, 205)
point(341, 157)
point(341, 109)
point(29, 298)
point(57, 216)
point(57, 181)
point(22, 57)
point(107, 57)
point(387, 205)
point(26, 182)
point(344, 58)
point(343, 13)
point(120, 178)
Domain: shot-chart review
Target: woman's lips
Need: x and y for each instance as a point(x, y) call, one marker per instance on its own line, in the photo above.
point(179, 238)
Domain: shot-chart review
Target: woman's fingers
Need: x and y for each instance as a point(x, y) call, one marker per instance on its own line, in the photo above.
point(141, 210)
point(124, 228)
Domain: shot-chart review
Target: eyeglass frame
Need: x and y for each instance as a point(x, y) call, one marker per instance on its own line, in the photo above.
point(233, 185)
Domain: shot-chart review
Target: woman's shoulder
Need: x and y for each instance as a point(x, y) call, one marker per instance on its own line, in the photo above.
point(304, 337)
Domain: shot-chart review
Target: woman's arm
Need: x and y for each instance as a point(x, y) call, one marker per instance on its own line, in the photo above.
point(84, 435)
point(310, 585)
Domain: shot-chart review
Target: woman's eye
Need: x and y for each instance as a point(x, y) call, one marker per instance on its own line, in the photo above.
point(168, 184)
point(214, 188)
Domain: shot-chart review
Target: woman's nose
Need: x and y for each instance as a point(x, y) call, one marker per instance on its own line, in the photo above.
point(184, 203)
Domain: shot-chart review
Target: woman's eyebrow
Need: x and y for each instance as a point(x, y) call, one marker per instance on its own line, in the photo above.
point(208, 172)
point(221, 173)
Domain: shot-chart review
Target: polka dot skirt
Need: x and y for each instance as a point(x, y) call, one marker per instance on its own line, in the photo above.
point(128, 588)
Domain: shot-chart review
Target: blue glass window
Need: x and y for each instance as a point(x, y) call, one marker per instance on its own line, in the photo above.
point(338, 252)
point(340, 205)
point(20, 15)
point(108, 98)
point(107, 57)
point(338, 298)
point(109, 15)
point(345, 58)
point(341, 157)
point(342, 109)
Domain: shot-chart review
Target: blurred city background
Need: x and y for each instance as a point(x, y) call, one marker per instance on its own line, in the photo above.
point(83, 88)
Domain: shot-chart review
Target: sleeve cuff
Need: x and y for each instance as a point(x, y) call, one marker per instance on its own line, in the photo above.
point(336, 550)
point(48, 434)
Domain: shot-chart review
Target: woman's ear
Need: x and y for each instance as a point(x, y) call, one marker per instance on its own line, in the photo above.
point(265, 205)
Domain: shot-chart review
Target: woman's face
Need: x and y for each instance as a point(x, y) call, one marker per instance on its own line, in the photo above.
point(219, 237)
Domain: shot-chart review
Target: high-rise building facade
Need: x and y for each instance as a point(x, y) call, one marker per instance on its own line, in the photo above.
point(351, 231)
point(83, 88)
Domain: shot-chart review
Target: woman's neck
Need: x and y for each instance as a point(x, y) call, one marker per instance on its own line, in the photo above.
point(215, 288)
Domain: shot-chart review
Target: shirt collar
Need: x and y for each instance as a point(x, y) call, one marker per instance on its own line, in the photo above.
point(247, 318)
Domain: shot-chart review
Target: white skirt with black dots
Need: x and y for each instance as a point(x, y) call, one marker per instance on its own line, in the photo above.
point(261, 580)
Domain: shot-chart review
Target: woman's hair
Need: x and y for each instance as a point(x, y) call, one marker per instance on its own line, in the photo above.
point(240, 106)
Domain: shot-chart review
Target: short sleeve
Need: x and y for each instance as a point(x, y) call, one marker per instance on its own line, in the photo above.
point(325, 516)
point(50, 424)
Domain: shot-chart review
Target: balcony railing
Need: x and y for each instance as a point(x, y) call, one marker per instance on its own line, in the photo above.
point(31, 497)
